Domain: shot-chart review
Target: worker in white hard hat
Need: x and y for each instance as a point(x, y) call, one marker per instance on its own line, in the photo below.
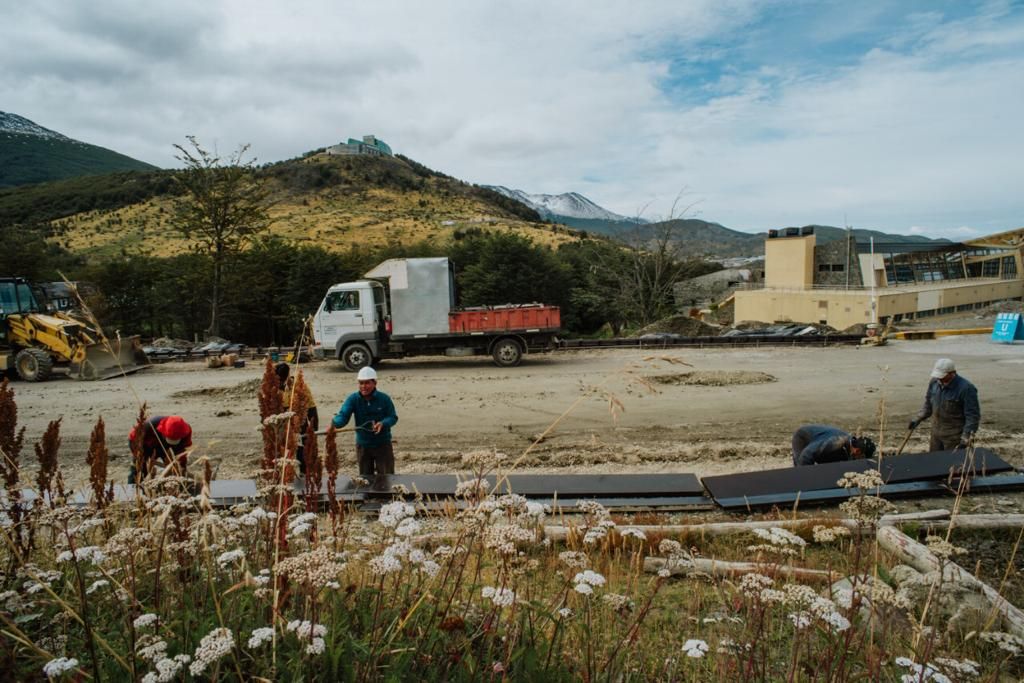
point(374, 417)
point(952, 403)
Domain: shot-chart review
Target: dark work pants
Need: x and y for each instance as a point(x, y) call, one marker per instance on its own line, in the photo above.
point(944, 442)
point(376, 461)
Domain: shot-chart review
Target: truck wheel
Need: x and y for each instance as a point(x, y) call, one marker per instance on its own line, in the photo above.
point(507, 353)
point(356, 357)
point(33, 365)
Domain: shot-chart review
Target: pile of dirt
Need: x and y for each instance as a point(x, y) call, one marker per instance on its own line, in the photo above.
point(714, 378)
point(857, 328)
point(682, 325)
point(250, 388)
point(169, 343)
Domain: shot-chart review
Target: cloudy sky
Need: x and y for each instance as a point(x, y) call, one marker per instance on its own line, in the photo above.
point(906, 116)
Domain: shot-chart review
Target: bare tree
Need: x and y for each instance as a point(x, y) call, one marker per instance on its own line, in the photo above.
point(655, 262)
point(225, 206)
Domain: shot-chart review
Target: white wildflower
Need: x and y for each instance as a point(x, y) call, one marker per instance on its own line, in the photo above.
point(695, 648)
point(407, 527)
point(801, 620)
point(584, 589)
point(828, 534)
point(565, 613)
point(635, 533)
point(392, 514)
point(664, 573)
point(96, 585)
point(56, 667)
point(214, 645)
point(502, 597)
point(573, 558)
point(226, 558)
point(780, 537)
point(260, 636)
point(167, 669)
point(144, 620)
point(590, 577)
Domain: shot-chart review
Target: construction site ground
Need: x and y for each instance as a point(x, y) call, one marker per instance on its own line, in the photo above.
point(730, 410)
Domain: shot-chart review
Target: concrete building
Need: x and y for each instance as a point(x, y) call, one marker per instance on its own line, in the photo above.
point(369, 145)
point(843, 283)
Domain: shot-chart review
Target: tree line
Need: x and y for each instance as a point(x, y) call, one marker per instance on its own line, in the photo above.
point(241, 284)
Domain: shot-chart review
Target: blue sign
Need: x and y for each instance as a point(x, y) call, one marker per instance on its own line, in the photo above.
point(1008, 327)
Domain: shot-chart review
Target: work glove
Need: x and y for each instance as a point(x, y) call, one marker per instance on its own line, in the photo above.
point(912, 425)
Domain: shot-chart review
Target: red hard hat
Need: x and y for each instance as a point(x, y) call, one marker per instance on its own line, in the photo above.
point(174, 428)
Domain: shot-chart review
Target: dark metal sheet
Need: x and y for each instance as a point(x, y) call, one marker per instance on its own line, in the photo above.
point(941, 464)
point(787, 480)
point(905, 489)
point(548, 485)
point(896, 469)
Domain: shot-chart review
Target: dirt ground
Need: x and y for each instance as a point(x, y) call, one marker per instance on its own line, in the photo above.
point(612, 410)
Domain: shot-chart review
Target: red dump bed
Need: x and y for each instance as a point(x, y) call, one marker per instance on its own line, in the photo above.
point(525, 317)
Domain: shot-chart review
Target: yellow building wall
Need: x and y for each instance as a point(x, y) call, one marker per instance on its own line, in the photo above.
point(789, 262)
point(841, 309)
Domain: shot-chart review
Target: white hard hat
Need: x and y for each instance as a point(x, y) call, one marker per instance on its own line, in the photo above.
point(943, 367)
point(366, 374)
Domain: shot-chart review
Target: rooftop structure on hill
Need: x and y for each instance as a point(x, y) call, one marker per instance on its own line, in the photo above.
point(369, 145)
point(846, 282)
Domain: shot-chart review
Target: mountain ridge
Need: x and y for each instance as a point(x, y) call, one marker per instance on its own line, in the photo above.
point(30, 153)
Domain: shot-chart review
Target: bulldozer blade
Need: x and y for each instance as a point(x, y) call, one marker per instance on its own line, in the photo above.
point(114, 358)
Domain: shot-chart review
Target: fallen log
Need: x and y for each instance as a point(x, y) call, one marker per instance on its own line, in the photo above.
point(700, 565)
point(982, 521)
point(560, 533)
point(917, 555)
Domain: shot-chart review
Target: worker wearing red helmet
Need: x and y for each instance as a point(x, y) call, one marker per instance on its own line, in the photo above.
point(163, 438)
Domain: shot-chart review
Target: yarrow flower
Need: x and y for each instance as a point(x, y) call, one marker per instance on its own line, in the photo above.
point(314, 633)
point(214, 645)
point(229, 557)
point(590, 577)
point(502, 597)
point(144, 620)
point(695, 648)
point(57, 667)
point(392, 514)
point(828, 534)
point(635, 533)
point(260, 636)
point(96, 585)
point(584, 589)
point(1004, 641)
point(166, 669)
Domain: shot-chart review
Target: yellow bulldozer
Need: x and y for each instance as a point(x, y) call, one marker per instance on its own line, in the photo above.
point(34, 341)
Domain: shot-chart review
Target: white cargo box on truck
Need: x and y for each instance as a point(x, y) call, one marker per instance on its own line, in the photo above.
point(422, 292)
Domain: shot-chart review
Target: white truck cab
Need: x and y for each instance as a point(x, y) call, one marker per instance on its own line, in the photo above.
point(351, 322)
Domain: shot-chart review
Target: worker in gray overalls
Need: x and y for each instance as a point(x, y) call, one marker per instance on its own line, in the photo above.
point(952, 403)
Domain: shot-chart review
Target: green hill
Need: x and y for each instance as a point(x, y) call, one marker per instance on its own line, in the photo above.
point(30, 154)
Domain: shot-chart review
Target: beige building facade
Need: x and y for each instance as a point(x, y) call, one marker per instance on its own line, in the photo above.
point(845, 283)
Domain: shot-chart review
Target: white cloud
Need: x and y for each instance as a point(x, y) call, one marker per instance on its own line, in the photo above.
point(920, 128)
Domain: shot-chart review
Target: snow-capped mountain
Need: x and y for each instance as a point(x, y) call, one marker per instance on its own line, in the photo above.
point(565, 205)
point(30, 153)
point(12, 123)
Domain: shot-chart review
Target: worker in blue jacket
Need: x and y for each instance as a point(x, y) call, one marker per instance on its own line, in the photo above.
point(952, 403)
point(815, 444)
point(374, 417)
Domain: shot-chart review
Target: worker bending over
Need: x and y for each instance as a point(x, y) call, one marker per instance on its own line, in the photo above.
point(375, 416)
point(164, 440)
point(815, 444)
point(952, 403)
